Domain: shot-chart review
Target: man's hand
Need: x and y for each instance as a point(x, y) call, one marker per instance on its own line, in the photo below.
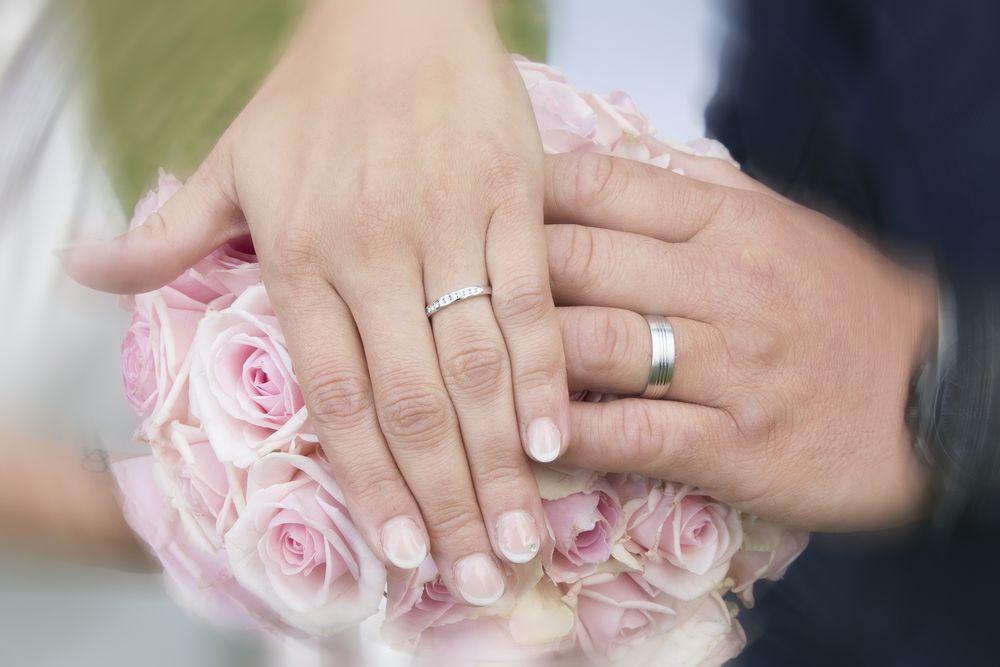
point(796, 341)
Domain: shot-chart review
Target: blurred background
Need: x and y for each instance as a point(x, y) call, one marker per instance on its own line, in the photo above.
point(122, 88)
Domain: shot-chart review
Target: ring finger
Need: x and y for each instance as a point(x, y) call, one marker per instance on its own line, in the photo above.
point(609, 350)
point(421, 428)
point(476, 370)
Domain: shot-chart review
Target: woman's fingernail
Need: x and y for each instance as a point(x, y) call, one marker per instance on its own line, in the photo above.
point(544, 440)
point(403, 543)
point(479, 580)
point(517, 536)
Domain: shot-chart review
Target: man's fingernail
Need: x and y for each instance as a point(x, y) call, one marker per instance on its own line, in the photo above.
point(479, 580)
point(517, 536)
point(403, 543)
point(544, 440)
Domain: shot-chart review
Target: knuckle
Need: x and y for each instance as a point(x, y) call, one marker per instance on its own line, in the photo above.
point(297, 255)
point(501, 472)
point(372, 486)
point(525, 299)
point(507, 180)
point(338, 396)
point(477, 369)
point(579, 257)
point(640, 433)
point(603, 343)
point(544, 375)
point(415, 412)
point(154, 227)
point(758, 345)
point(754, 419)
point(592, 179)
point(453, 518)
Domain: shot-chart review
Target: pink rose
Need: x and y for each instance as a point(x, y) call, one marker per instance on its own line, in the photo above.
point(243, 388)
point(154, 357)
point(296, 546)
point(565, 121)
point(415, 601)
point(156, 344)
point(584, 528)
point(684, 540)
point(618, 615)
point(207, 492)
point(768, 550)
point(231, 268)
point(530, 623)
point(631, 489)
point(623, 131)
point(197, 574)
point(138, 365)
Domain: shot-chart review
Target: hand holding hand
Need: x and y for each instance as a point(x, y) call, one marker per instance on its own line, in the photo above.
point(796, 341)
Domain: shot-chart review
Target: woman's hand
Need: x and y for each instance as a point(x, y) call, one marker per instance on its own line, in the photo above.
point(796, 341)
point(390, 158)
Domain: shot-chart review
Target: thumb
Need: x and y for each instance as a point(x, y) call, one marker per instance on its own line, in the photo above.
point(199, 218)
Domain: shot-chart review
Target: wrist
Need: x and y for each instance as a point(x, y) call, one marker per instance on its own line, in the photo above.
point(395, 35)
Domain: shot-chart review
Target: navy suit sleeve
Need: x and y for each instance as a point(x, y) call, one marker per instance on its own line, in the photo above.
point(885, 116)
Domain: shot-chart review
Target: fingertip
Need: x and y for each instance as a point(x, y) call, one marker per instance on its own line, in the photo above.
point(518, 538)
point(544, 442)
point(100, 265)
point(479, 580)
point(404, 543)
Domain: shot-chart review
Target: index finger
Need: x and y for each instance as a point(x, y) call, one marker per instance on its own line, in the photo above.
point(629, 196)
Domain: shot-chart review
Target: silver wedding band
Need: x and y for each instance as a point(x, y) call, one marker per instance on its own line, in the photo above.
point(457, 295)
point(661, 371)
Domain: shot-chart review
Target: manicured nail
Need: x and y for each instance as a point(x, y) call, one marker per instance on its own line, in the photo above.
point(544, 440)
point(403, 543)
point(517, 536)
point(479, 580)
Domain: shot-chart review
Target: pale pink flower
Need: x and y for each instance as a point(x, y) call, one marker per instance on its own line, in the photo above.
point(566, 122)
point(243, 388)
point(618, 615)
point(155, 355)
point(197, 574)
point(768, 550)
point(415, 601)
point(139, 365)
point(296, 546)
point(706, 635)
point(584, 528)
point(683, 539)
point(208, 493)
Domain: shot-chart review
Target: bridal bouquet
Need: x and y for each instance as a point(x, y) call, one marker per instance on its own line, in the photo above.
point(237, 501)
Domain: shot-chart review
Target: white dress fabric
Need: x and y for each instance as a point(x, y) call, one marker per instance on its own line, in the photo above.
point(59, 362)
